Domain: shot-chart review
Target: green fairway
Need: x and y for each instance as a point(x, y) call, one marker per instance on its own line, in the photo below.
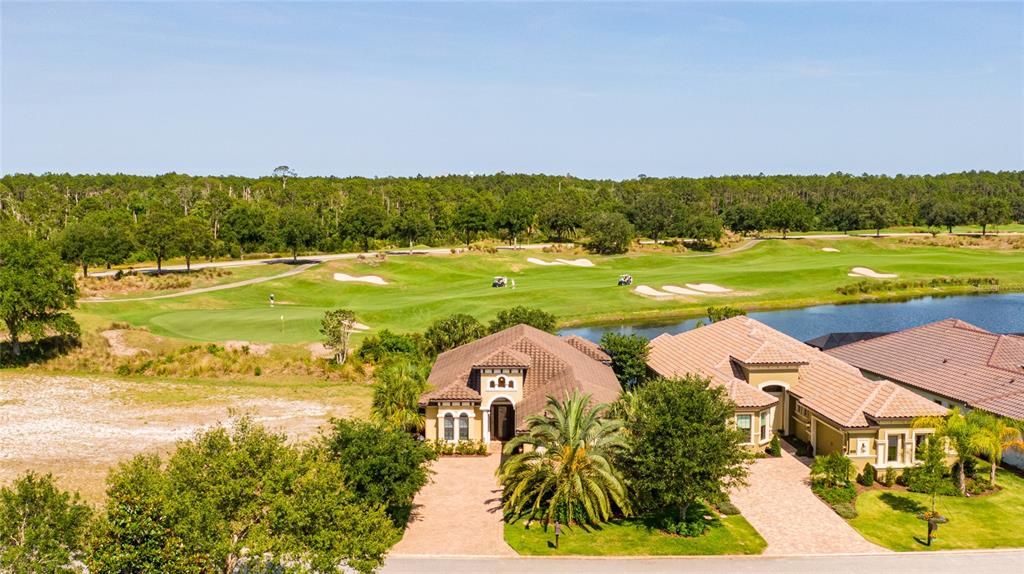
point(991, 521)
point(729, 535)
point(772, 274)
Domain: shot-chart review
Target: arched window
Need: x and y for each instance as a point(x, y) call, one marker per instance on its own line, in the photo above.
point(449, 427)
point(493, 384)
point(501, 382)
point(463, 426)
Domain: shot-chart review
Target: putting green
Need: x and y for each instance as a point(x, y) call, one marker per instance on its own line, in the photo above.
point(772, 274)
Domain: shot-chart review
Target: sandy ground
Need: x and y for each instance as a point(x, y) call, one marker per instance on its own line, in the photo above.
point(371, 279)
point(255, 349)
point(865, 272)
point(118, 346)
point(830, 250)
point(79, 427)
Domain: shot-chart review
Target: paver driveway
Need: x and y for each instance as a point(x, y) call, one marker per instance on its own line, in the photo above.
point(779, 503)
point(459, 512)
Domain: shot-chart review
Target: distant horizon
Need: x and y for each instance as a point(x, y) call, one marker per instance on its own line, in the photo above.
point(605, 90)
point(472, 174)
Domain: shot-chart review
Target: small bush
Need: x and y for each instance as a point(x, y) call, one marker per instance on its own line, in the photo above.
point(690, 528)
point(867, 477)
point(774, 448)
point(728, 508)
point(257, 371)
point(890, 477)
point(837, 495)
point(846, 509)
point(904, 478)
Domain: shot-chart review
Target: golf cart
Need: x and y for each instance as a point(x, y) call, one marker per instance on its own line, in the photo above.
point(625, 280)
point(499, 282)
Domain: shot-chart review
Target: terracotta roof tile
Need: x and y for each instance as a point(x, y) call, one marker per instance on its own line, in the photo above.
point(826, 385)
point(556, 368)
point(590, 348)
point(950, 358)
point(505, 358)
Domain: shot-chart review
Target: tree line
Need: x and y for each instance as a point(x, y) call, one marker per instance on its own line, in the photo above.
point(112, 219)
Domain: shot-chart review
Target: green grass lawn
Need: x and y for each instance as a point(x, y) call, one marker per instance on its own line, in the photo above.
point(730, 535)
point(991, 521)
point(199, 281)
point(772, 274)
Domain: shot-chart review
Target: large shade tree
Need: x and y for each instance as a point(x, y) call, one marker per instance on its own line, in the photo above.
point(683, 445)
point(42, 528)
point(569, 473)
point(36, 289)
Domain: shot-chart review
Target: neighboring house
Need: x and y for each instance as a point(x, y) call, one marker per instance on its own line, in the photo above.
point(783, 386)
point(486, 389)
point(950, 362)
point(833, 340)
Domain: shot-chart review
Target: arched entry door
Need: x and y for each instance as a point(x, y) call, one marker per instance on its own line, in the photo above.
point(503, 420)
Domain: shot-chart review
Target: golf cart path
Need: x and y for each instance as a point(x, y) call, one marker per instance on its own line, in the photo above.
point(289, 273)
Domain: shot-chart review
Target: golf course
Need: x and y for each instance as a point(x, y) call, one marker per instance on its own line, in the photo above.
point(420, 289)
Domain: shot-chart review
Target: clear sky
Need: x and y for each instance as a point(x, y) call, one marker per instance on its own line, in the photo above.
point(606, 90)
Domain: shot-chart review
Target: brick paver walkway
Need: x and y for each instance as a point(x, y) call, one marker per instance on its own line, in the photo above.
point(779, 503)
point(459, 512)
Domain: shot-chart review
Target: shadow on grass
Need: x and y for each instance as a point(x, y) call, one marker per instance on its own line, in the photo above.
point(902, 503)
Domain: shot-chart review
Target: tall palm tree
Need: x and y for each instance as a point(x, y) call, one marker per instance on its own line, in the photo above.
point(994, 436)
point(960, 432)
point(396, 395)
point(569, 473)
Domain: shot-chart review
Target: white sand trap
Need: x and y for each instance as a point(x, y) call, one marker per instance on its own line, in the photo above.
point(372, 279)
point(536, 261)
point(576, 262)
point(650, 291)
point(708, 288)
point(865, 272)
point(830, 250)
point(680, 290)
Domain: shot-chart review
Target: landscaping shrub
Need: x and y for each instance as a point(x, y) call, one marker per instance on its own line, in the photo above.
point(835, 495)
point(846, 509)
point(728, 508)
point(867, 477)
point(904, 478)
point(832, 470)
point(463, 448)
point(686, 528)
point(775, 448)
point(890, 477)
point(868, 286)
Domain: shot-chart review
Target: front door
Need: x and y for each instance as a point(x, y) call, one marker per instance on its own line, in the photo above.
point(502, 422)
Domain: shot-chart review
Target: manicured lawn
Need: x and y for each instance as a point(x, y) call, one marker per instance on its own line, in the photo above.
point(731, 535)
point(772, 274)
point(992, 521)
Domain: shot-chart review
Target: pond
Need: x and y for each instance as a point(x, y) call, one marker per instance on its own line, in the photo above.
point(999, 313)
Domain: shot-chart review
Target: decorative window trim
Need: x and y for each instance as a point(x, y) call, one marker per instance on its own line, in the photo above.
point(463, 426)
point(750, 421)
point(763, 430)
point(448, 426)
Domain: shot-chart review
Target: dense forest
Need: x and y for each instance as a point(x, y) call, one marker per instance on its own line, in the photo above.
point(111, 219)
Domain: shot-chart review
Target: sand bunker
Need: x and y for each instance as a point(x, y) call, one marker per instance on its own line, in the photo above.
point(708, 288)
point(830, 250)
point(372, 279)
point(576, 262)
point(650, 292)
point(865, 272)
point(680, 290)
point(573, 262)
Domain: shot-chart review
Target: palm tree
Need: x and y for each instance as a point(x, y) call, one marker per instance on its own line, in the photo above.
point(569, 473)
point(396, 395)
point(995, 435)
point(960, 432)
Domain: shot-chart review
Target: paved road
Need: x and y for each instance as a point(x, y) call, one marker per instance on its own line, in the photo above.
point(975, 562)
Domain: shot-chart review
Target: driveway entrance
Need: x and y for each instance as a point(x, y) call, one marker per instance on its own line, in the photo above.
point(459, 512)
point(779, 503)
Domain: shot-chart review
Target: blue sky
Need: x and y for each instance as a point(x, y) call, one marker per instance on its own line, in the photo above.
point(596, 90)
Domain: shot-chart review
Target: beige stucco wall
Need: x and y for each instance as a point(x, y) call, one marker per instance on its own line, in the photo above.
point(434, 427)
point(827, 438)
point(513, 393)
point(761, 376)
point(755, 425)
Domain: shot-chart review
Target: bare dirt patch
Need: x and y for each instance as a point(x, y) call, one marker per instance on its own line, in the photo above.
point(117, 344)
point(79, 427)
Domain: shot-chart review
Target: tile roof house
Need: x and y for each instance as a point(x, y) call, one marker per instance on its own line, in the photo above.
point(790, 388)
point(487, 388)
point(950, 362)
